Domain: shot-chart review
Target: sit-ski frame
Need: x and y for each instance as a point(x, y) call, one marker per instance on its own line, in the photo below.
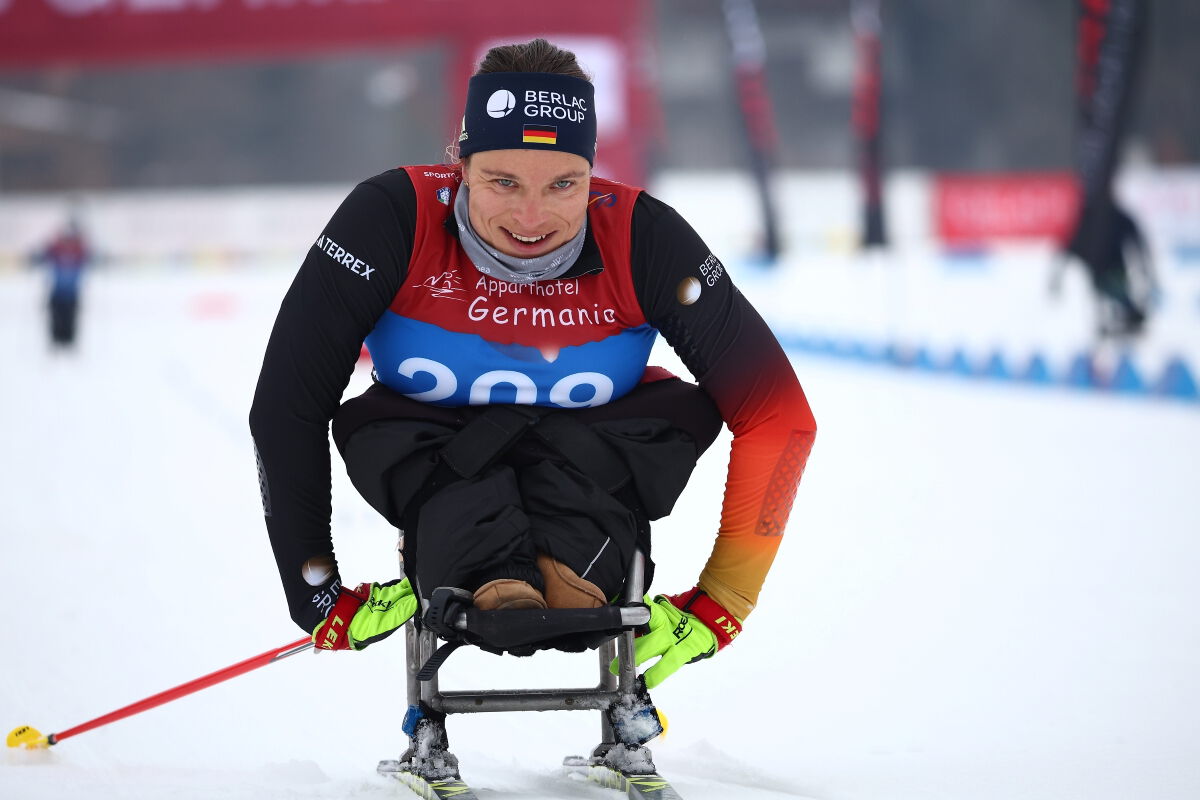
point(432, 771)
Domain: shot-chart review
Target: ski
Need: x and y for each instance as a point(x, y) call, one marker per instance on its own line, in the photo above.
point(637, 786)
point(436, 789)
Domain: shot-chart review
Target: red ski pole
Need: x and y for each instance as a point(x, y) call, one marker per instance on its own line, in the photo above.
point(28, 737)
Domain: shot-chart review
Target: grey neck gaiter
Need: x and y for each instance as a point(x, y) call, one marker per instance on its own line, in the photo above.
point(491, 261)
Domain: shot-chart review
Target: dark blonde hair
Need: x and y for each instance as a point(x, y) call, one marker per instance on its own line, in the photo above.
point(534, 56)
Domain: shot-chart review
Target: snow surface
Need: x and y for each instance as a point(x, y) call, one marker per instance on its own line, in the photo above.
point(985, 592)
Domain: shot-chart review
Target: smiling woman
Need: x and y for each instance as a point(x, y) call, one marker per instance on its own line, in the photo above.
point(526, 203)
point(496, 282)
point(522, 207)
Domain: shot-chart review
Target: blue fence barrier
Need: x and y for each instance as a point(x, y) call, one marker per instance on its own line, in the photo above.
point(1175, 381)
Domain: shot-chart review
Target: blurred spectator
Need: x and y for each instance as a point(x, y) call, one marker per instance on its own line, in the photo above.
point(66, 256)
point(1123, 277)
point(1117, 260)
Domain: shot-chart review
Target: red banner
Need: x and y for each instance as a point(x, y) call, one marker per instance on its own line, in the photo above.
point(610, 37)
point(970, 209)
point(35, 33)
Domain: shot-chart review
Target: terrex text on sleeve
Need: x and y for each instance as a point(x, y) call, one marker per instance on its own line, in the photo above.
point(343, 257)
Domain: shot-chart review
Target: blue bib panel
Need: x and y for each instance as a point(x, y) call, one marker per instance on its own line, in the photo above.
point(434, 365)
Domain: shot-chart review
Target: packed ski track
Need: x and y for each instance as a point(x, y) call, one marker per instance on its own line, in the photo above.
point(985, 591)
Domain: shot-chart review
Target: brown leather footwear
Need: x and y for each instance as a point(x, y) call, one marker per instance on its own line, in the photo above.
point(565, 589)
point(507, 593)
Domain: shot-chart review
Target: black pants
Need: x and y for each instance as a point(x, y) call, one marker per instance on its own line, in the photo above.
point(64, 311)
point(544, 493)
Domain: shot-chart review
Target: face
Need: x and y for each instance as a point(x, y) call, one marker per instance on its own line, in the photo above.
point(526, 203)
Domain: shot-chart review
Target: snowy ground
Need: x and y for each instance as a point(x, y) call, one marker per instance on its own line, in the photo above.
point(986, 591)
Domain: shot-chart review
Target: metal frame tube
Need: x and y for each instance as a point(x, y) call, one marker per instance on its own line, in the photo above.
point(420, 645)
point(467, 702)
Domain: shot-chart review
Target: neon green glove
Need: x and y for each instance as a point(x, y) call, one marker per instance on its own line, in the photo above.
point(365, 615)
point(681, 633)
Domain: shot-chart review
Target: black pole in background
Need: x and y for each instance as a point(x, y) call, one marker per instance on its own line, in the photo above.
point(1111, 41)
point(1109, 49)
point(866, 116)
point(749, 69)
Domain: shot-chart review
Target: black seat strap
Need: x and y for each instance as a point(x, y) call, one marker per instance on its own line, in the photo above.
point(435, 661)
point(488, 436)
point(584, 449)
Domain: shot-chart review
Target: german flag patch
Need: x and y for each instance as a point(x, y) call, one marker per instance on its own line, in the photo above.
point(540, 134)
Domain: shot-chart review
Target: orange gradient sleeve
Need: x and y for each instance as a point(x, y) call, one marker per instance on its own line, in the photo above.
point(736, 359)
point(773, 431)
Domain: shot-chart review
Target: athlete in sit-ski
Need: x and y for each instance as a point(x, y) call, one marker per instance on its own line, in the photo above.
point(516, 284)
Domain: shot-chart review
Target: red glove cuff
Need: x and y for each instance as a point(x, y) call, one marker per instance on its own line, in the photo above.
point(723, 624)
point(332, 633)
